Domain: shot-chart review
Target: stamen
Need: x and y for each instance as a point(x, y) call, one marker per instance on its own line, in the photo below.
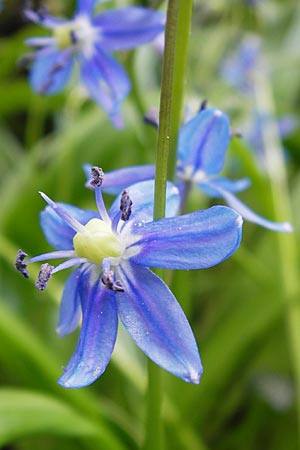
point(203, 105)
point(64, 214)
point(20, 265)
point(73, 36)
point(41, 12)
point(125, 206)
point(97, 176)
point(108, 281)
point(44, 276)
point(52, 255)
point(45, 86)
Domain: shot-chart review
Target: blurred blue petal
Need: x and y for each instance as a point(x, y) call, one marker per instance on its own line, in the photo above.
point(203, 142)
point(106, 82)
point(97, 336)
point(127, 28)
point(70, 309)
point(51, 70)
point(194, 241)
point(57, 232)
point(156, 322)
point(224, 183)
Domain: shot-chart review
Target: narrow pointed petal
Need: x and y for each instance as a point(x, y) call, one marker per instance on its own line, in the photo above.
point(70, 310)
point(50, 70)
point(43, 19)
point(142, 196)
point(106, 82)
point(224, 183)
point(97, 336)
point(194, 241)
point(203, 142)
point(117, 180)
point(250, 215)
point(127, 28)
point(155, 321)
point(57, 232)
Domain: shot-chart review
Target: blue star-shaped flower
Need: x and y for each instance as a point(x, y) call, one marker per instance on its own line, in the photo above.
point(112, 252)
point(90, 40)
point(202, 145)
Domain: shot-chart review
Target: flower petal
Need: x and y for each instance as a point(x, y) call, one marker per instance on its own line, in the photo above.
point(250, 215)
point(224, 183)
point(97, 336)
point(42, 18)
point(203, 142)
point(117, 180)
point(56, 231)
point(51, 70)
point(156, 322)
point(142, 196)
point(129, 27)
point(86, 6)
point(106, 81)
point(193, 241)
point(70, 310)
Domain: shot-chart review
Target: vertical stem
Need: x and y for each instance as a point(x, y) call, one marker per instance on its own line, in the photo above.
point(287, 243)
point(176, 44)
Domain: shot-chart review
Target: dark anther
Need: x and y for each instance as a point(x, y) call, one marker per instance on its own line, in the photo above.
point(73, 36)
point(108, 281)
point(44, 276)
point(47, 84)
point(203, 105)
point(125, 205)
point(26, 60)
point(151, 118)
point(97, 176)
point(235, 133)
point(20, 265)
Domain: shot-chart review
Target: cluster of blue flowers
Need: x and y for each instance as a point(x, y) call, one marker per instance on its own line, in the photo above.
point(111, 251)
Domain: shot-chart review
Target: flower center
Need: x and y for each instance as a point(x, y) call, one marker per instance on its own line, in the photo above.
point(97, 242)
point(79, 34)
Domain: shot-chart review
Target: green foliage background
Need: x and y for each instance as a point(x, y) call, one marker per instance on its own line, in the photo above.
point(247, 395)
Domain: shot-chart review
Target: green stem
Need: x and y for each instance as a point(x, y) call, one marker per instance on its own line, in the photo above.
point(176, 43)
point(287, 243)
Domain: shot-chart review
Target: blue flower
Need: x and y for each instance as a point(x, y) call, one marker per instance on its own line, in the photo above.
point(112, 252)
point(90, 40)
point(201, 152)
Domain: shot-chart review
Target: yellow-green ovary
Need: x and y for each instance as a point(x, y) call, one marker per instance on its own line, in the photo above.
point(98, 242)
point(62, 34)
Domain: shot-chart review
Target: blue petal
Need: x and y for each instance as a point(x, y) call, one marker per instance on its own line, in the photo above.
point(203, 142)
point(106, 81)
point(117, 180)
point(224, 183)
point(85, 6)
point(156, 322)
point(45, 20)
point(126, 28)
point(193, 241)
point(250, 215)
point(70, 310)
point(97, 336)
point(50, 70)
point(56, 231)
point(142, 196)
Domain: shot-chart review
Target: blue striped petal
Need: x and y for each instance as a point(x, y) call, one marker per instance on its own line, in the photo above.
point(223, 183)
point(156, 322)
point(106, 82)
point(97, 336)
point(203, 142)
point(127, 28)
point(70, 310)
point(56, 231)
point(50, 70)
point(193, 241)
